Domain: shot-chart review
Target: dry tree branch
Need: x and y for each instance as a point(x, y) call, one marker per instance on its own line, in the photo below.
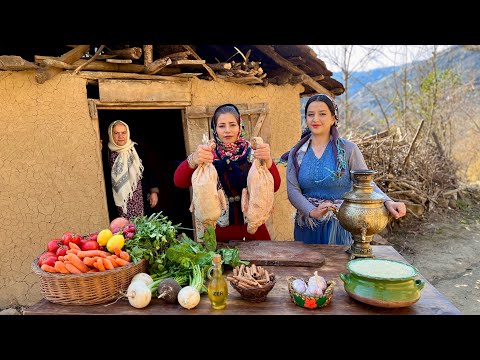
point(98, 52)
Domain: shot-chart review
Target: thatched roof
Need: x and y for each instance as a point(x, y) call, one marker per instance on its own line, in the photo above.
point(247, 64)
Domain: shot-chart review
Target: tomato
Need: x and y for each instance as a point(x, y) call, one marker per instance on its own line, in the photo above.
point(62, 250)
point(89, 245)
point(53, 245)
point(93, 236)
point(71, 237)
point(44, 257)
point(51, 260)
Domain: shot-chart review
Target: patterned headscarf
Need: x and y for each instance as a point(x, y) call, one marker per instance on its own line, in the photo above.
point(127, 169)
point(237, 150)
point(229, 158)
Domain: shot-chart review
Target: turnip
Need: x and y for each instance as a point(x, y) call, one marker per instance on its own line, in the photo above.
point(168, 290)
point(188, 297)
point(139, 294)
point(144, 277)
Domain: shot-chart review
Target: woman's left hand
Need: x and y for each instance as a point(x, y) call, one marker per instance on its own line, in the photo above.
point(396, 208)
point(262, 152)
point(153, 199)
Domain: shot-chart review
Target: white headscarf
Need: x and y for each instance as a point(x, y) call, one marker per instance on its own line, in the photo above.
point(127, 169)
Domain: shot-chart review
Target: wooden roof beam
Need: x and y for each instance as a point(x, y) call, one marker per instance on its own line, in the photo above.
point(46, 72)
point(280, 60)
point(195, 55)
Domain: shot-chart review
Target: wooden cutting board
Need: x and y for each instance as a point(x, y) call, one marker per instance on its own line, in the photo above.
point(286, 253)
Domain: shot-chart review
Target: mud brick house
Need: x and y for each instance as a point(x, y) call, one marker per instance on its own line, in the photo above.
point(56, 103)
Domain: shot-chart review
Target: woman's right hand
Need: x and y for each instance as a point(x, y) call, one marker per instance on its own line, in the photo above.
point(203, 154)
point(321, 209)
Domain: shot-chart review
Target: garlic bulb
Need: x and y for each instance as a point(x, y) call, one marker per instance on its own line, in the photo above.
point(316, 285)
point(299, 286)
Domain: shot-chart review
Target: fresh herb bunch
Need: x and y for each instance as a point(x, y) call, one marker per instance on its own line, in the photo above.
point(185, 253)
point(153, 236)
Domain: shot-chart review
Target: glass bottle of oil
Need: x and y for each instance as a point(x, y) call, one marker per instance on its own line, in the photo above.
point(217, 287)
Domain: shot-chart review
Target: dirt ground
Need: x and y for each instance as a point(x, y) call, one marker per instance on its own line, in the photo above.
point(445, 248)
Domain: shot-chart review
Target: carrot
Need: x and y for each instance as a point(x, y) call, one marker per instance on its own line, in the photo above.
point(108, 265)
point(60, 258)
point(72, 269)
point(72, 251)
point(92, 253)
point(74, 246)
point(93, 270)
point(60, 267)
point(124, 255)
point(112, 260)
point(88, 261)
point(117, 251)
point(77, 262)
point(100, 265)
point(121, 262)
point(48, 268)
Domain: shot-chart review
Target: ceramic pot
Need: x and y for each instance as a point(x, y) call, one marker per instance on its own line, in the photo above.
point(382, 282)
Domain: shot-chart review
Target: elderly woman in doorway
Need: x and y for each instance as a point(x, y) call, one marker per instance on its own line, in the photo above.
point(132, 184)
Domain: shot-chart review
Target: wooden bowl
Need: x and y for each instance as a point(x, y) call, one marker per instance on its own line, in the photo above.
point(255, 294)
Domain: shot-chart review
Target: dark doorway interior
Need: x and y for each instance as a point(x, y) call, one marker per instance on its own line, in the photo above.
point(160, 134)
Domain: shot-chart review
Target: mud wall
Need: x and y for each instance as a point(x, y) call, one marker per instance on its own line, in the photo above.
point(50, 174)
point(51, 177)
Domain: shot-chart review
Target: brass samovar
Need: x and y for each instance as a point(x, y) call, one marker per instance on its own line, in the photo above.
point(362, 213)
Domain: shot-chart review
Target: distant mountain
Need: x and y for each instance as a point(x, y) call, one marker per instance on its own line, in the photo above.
point(382, 81)
point(360, 78)
point(465, 63)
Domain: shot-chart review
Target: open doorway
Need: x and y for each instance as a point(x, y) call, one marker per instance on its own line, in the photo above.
point(155, 131)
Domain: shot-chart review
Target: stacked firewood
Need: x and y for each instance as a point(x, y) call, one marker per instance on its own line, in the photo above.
point(239, 69)
point(245, 71)
point(419, 176)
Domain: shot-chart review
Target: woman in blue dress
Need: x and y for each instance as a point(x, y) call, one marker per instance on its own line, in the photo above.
point(318, 175)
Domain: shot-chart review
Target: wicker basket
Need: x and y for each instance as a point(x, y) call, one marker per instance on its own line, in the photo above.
point(309, 301)
point(255, 294)
point(88, 288)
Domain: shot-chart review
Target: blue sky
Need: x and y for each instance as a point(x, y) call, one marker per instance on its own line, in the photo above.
point(385, 55)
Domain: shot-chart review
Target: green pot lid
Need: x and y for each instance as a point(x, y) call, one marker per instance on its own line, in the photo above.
point(382, 269)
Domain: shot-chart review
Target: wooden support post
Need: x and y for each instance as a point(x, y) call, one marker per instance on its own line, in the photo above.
point(147, 54)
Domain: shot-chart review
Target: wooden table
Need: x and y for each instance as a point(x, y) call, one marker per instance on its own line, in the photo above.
point(278, 302)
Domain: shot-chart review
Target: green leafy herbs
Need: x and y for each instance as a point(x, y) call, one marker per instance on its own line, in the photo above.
point(230, 257)
point(153, 236)
point(179, 257)
point(209, 238)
